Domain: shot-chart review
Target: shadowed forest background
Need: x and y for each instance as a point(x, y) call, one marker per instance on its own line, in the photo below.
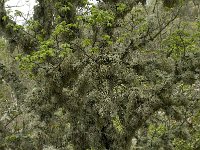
point(114, 75)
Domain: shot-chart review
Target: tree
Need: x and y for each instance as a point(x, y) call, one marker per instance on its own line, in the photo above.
point(102, 73)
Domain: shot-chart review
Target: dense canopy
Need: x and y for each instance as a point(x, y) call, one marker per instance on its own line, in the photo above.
point(115, 75)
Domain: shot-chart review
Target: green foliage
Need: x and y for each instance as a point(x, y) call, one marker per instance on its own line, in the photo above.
point(114, 75)
point(18, 13)
point(121, 7)
point(100, 17)
point(46, 51)
point(180, 43)
point(117, 125)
